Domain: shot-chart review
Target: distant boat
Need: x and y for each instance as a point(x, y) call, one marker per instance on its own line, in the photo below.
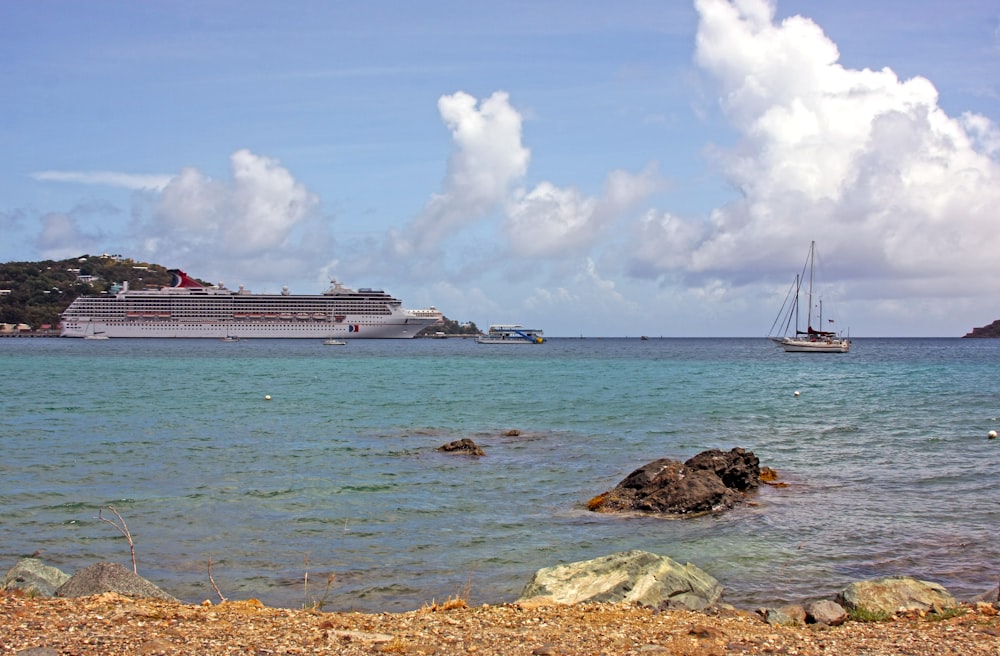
point(94, 334)
point(810, 340)
point(511, 333)
point(334, 342)
point(230, 338)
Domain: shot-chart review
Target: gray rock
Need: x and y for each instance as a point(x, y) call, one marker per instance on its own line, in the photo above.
point(33, 577)
point(109, 577)
point(825, 612)
point(785, 616)
point(38, 651)
point(630, 576)
point(895, 594)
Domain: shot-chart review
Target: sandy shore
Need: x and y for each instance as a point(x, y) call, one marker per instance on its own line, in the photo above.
point(110, 624)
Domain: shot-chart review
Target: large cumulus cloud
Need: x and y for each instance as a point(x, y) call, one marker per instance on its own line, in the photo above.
point(866, 163)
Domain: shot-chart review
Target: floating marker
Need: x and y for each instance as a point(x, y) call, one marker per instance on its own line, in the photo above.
point(267, 397)
point(796, 392)
point(992, 435)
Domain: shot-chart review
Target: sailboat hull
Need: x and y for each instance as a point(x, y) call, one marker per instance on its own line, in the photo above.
point(814, 345)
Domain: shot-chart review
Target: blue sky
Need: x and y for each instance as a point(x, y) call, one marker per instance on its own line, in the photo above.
point(594, 168)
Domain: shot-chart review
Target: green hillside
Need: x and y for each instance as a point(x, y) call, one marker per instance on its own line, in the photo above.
point(36, 293)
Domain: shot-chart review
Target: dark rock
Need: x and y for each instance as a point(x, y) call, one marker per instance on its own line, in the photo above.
point(463, 446)
point(33, 577)
point(992, 330)
point(711, 481)
point(738, 469)
point(109, 577)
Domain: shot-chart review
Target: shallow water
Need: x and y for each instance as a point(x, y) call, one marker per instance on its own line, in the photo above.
point(338, 474)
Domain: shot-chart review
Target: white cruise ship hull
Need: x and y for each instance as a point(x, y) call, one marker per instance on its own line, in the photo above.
point(191, 310)
point(291, 330)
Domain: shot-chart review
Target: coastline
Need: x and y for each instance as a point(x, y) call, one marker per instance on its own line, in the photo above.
point(114, 624)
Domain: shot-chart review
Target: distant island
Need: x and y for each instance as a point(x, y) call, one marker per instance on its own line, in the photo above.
point(992, 330)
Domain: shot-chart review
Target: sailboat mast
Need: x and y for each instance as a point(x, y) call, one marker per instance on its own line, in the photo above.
point(798, 292)
point(812, 246)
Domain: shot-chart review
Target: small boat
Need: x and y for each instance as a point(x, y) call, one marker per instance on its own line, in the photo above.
point(810, 340)
point(90, 333)
point(511, 333)
point(230, 338)
point(334, 342)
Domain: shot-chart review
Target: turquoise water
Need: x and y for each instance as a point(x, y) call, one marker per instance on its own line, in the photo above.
point(885, 452)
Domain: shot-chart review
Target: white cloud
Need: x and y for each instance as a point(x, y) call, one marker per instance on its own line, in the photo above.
point(488, 158)
point(549, 221)
point(258, 224)
point(61, 237)
point(138, 182)
point(865, 163)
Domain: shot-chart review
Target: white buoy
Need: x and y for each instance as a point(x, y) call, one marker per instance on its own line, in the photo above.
point(796, 392)
point(992, 435)
point(267, 397)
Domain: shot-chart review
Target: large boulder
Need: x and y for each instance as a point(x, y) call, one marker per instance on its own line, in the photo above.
point(33, 577)
point(630, 576)
point(109, 577)
point(894, 594)
point(712, 480)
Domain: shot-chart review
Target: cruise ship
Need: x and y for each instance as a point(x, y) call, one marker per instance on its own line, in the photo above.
point(188, 308)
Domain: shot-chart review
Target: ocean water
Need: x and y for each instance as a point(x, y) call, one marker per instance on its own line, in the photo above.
point(333, 490)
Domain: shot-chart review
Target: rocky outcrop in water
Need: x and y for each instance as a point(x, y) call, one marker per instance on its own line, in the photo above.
point(463, 446)
point(709, 482)
point(630, 576)
point(992, 330)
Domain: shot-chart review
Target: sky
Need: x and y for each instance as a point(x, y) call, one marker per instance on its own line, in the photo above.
point(580, 166)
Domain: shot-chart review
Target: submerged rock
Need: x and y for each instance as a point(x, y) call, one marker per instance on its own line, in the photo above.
point(463, 446)
point(630, 576)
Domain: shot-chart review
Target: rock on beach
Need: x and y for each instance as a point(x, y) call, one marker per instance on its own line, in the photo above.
point(630, 576)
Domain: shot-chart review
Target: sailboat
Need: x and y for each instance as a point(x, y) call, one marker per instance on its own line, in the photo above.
point(810, 340)
point(90, 333)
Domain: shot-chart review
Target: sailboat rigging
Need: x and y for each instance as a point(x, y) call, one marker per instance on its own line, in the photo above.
point(810, 340)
